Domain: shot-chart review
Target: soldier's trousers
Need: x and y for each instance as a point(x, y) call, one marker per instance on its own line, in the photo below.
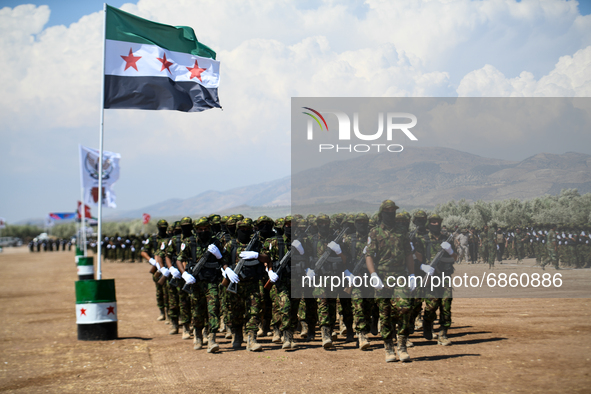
point(173, 301)
point(308, 310)
point(285, 308)
point(552, 257)
point(395, 310)
point(161, 294)
point(205, 306)
point(520, 251)
point(443, 302)
point(244, 307)
point(362, 301)
point(492, 252)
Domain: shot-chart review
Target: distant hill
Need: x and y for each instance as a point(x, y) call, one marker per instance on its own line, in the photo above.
point(421, 177)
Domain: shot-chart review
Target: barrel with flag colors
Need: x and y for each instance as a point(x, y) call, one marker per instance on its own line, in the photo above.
point(85, 267)
point(96, 310)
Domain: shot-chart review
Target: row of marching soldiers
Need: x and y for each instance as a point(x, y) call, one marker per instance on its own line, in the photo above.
point(251, 277)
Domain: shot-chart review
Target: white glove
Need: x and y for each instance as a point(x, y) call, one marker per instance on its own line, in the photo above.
point(273, 276)
point(108, 246)
point(298, 245)
point(223, 273)
point(232, 275)
point(498, 247)
point(175, 273)
point(153, 262)
point(189, 279)
point(365, 250)
point(123, 246)
point(412, 282)
point(427, 269)
point(335, 247)
point(132, 249)
point(246, 255)
point(447, 247)
point(215, 251)
point(165, 271)
point(310, 273)
point(376, 283)
point(412, 247)
point(349, 274)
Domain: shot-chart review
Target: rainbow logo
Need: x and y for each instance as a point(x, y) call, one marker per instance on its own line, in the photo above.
point(315, 118)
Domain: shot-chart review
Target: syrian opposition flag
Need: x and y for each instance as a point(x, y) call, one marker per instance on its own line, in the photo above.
point(96, 309)
point(149, 65)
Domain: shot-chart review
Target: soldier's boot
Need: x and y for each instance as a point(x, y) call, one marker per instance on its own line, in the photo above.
point(252, 344)
point(228, 334)
point(276, 334)
point(212, 346)
point(427, 330)
point(261, 333)
point(205, 334)
point(236, 337)
point(304, 332)
point(350, 333)
point(402, 353)
point(333, 335)
point(162, 316)
point(186, 331)
point(409, 343)
point(363, 342)
point(443, 339)
point(326, 337)
point(175, 326)
point(389, 347)
point(419, 322)
point(197, 340)
point(342, 327)
point(222, 325)
point(287, 340)
point(374, 326)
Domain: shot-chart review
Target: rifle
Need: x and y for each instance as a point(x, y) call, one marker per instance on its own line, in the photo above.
point(238, 270)
point(282, 264)
point(328, 251)
point(435, 261)
point(196, 268)
point(360, 264)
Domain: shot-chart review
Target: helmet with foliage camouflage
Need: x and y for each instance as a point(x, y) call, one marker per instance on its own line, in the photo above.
point(435, 217)
point(214, 218)
point(264, 218)
point(285, 220)
point(361, 217)
point(387, 204)
point(420, 214)
point(162, 223)
point(298, 223)
point(231, 221)
point(177, 225)
point(170, 229)
point(322, 218)
point(202, 222)
point(279, 222)
point(340, 217)
point(310, 217)
point(238, 216)
point(223, 219)
point(186, 221)
point(349, 218)
point(246, 222)
point(373, 221)
point(403, 216)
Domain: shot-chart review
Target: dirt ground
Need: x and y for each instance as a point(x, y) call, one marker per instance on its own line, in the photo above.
point(499, 345)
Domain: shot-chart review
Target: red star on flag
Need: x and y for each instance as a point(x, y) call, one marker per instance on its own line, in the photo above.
point(110, 309)
point(82, 312)
point(130, 60)
point(165, 63)
point(196, 71)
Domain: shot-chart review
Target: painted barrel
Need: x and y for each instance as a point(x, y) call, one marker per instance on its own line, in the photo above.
point(96, 310)
point(79, 253)
point(85, 266)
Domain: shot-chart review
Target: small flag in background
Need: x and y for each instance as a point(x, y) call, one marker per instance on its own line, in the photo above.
point(146, 218)
point(153, 66)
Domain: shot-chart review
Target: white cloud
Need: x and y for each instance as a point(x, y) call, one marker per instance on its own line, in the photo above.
point(269, 52)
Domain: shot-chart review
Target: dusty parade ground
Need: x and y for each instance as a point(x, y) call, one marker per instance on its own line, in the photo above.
point(499, 345)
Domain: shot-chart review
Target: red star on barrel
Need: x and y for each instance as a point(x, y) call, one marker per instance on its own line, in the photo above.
point(130, 60)
point(196, 71)
point(165, 63)
point(82, 312)
point(110, 309)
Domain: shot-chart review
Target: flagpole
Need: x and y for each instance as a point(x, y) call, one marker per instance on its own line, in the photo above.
point(101, 133)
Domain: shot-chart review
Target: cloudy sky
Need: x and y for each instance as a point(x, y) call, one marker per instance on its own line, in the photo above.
point(269, 51)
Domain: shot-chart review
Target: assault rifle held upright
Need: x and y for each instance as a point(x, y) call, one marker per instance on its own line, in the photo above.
point(435, 261)
point(194, 269)
point(328, 251)
point(282, 264)
point(232, 287)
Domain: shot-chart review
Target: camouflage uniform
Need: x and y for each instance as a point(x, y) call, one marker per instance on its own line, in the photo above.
point(551, 245)
point(244, 306)
point(390, 251)
point(492, 246)
point(204, 297)
point(153, 247)
point(179, 301)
